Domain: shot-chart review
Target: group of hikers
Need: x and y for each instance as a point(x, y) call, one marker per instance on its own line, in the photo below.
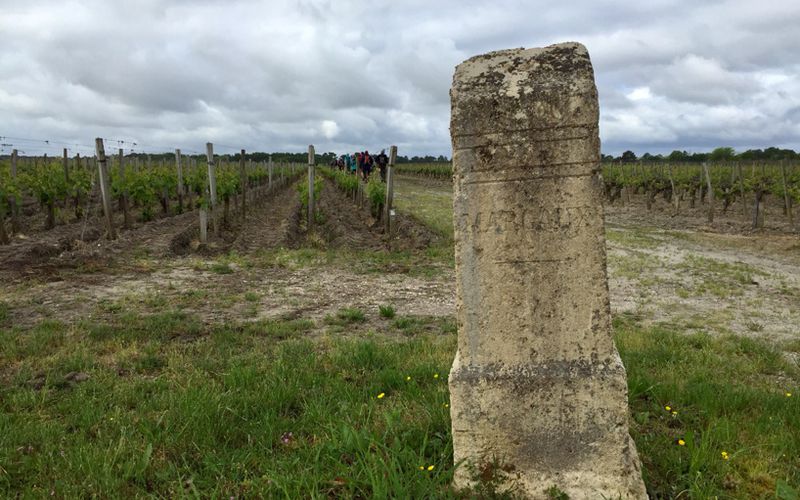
point(362, 163)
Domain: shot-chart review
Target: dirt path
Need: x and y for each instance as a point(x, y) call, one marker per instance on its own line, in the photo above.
point(272, 224)
point(344, 224)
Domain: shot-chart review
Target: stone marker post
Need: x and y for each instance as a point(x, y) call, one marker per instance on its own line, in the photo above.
point(537, 386)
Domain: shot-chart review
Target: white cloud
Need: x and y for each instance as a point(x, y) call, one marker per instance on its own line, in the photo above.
point(640, 94)
point(354, 74)
point(329, 129)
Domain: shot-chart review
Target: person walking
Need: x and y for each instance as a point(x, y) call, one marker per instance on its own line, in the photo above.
point(382, 161)
point(348, 163)
point(367, 164)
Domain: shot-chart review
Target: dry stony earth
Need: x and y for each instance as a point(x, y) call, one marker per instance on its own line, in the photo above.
point(718, 283)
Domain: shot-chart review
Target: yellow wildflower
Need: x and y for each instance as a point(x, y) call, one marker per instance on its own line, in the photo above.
point(435, 375)
point(430, 467)
point(681, 442)
point(381, 395)
point(724, 455)
point(674, 413)
point(446, 405)
point(421, 467)
point(408, 378)
point(668, 408)
point(788, 394)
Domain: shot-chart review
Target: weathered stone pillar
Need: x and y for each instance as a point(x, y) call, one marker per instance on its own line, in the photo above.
point(537, 385)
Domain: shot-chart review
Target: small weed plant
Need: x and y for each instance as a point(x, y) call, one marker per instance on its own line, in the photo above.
point(386, 311)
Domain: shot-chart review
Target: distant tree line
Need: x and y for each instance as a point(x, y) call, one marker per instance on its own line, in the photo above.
point(724, 153)
point(321, 159)
point(423, 159)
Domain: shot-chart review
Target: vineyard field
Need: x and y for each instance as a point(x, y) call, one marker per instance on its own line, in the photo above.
point(328, 342)
point(757, 192)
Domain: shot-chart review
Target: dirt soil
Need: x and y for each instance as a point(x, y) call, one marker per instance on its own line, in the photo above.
point(83, 245)
point(271, 225)
point(716, 283)
point(733, 221)
point(345, 225)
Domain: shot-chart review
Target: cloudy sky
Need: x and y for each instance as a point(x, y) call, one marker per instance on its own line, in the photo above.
point(275, 75)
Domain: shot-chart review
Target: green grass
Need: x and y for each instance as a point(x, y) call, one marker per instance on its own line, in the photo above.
point(346, 316)
point(386, 311)
point(175, 407)
point(431, 262)
point(719, 278)
point(729, 394)
point(633, 238)
point(430, 202)
point(221, 268)
point(406, 323)
point(5, 312)
point(634, 265)
point(232, 413)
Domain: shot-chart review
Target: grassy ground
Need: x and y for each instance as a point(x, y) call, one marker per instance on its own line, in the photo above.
point(160, 404)
point(144, 396)
point(430, 201)
point(163, 405)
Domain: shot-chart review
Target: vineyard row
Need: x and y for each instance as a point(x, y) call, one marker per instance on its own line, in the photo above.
point(73, 185)
point(750, 183)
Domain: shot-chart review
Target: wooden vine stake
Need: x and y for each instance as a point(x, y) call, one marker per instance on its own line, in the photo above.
point(270, 172)
point(191, 168)
point(179, 170)
point(123, 196)
point(105, 189)
point(65, 163)
point(675, 199)
point(243, 184)
point(387, 206)
point(710, 194)
point(741, 189)
point(13, 200)
point(212, 186)
point(311, 168)
point(787, 202)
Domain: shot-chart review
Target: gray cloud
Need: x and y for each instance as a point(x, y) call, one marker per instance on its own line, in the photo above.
point(352, 74)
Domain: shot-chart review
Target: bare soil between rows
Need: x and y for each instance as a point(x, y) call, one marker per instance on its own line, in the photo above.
point(346, 225)
point(85, 246)
point(734, 220)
